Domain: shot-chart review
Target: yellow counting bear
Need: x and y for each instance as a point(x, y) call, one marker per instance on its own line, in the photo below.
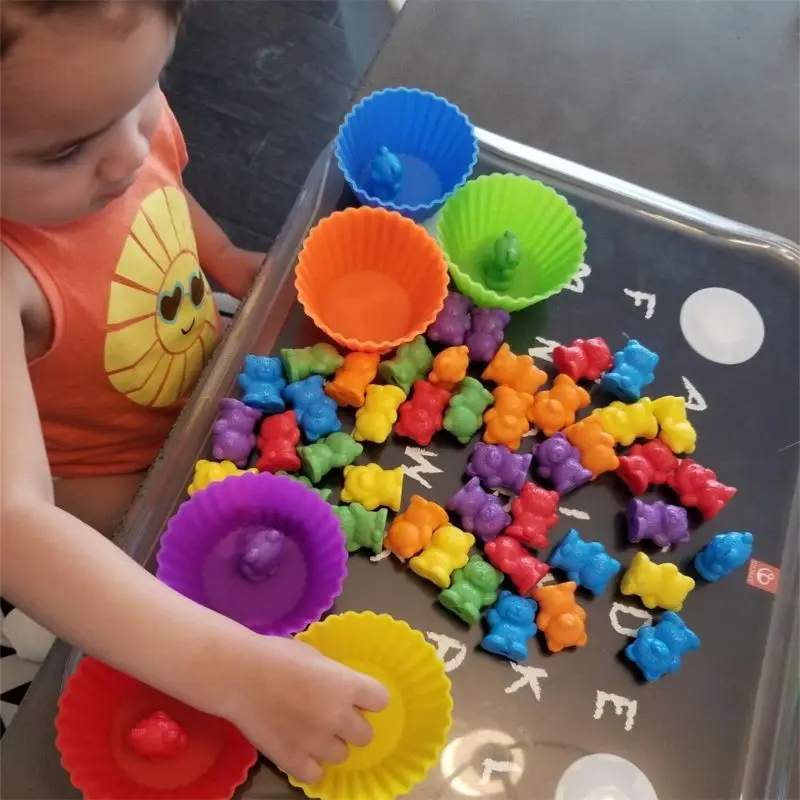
point(372, 486)
point(206, 472)
point(375, 418)
point(659, 585)
point(677, 432)
point(627, 422)
point(447, 551)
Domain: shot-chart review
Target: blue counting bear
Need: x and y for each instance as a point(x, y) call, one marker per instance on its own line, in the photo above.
point(657, 649)
point(262, 381)
point(315, 411)
point(511, 625)
point(723, 554)
point(633, 369)
point(586, 563)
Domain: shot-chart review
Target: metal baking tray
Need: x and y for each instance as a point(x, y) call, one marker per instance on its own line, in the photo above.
point(726, 724)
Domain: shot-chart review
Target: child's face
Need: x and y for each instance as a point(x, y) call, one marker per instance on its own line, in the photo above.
point(79, 105)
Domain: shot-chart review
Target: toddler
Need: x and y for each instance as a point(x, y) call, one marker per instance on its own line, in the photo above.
point(107, 321)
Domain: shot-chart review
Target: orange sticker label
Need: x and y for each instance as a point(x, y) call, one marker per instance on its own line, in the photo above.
point(763, 576)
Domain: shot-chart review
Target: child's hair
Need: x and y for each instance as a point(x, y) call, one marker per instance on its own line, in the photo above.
point(9, 33)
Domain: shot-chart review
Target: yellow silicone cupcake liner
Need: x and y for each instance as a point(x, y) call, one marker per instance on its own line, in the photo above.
point(409, 734)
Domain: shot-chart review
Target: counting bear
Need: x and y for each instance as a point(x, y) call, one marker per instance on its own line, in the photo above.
point(320, 359)
point(277, 443)
point(559, 462)
point(583, 360)
point(262, 382)
point(233, 434)
point(385, 174)
point(676, 430)
point(511, 626)
point(698, 487)
point(511, 558)
point(472, 588)
point(337, 450)
point(480, 512)
point(533, 513)
point(450, 367)
point(362, 528)
point(648, 464)
point(412, 530)
point(158, 736)
point(586, 563)
point(498, 468)
point(560, 618)
point(352, 378)
point(422, 415)
point(411, 362)
point(487, 332)
point(447, 551)
point(517, 372)
point(375, 418)
point(723, 554)
point(633, 369)
point(662, 523)
point(507, 421)
point(315, 411)
point(659, 585)
point(260, 551)
point(464, 416)
point(555, 409)
point(628, 422)
point(372, 486)
point(596, 446)
point(657, 649)
point(325, 494)
point(453, 322)
point(208, 472)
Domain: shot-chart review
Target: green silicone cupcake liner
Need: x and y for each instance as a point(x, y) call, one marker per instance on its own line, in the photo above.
point(549, 230)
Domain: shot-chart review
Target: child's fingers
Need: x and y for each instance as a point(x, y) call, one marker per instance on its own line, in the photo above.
point(302, 768)
point(356, 730)
point(331, 751)
point(370, 694)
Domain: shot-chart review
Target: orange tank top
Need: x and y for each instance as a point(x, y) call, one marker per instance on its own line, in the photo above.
point(134, 319)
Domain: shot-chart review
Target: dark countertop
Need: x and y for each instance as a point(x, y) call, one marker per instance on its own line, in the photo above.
point(696, 100)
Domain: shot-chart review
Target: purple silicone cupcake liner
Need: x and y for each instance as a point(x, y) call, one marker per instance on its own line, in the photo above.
point(202, 552)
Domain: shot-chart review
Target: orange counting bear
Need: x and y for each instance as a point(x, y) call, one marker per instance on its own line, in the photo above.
point(560, 618)
point(450, 367)
point(507, 421)
point(555, 409)
point(518, 372)
point(349, 386)
point(596, 446)
point(412, 530)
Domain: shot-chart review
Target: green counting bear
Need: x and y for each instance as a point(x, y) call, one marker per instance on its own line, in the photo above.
point(320, 359)
point(472, 588)
point(464, 416)
point(411, 362)
point(507, 254)
point(337, 450)
point(362, 528)
point(325, 494)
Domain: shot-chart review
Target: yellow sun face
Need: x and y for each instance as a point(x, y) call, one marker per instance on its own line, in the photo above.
point(162, 323)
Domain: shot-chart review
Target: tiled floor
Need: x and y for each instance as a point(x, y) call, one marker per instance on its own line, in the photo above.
point(259, 87)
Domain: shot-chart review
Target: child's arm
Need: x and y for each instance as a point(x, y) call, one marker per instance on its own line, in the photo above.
point(296, 706)
point(231, 267)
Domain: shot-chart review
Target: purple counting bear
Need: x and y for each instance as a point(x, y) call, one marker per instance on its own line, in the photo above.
point(663, 523)
point(260, 553)
point(480, 513)
point(233, 437)
point(499, 468)
point(560, 462)
point(486, 336)
point(453, 322)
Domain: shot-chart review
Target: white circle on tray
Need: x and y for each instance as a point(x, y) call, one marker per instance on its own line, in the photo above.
point(722, 325)
point(603, 776)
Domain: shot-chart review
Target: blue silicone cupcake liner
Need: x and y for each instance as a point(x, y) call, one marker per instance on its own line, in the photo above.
point(432, 138)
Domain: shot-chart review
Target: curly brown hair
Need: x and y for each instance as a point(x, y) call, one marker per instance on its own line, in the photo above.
point(10, 32)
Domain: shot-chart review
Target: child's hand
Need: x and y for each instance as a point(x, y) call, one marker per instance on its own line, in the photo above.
point(300, 708)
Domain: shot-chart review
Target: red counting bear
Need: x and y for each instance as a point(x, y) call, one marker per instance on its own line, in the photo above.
point(586, 360)
point(158, 736)
point(511, 558)
point(422, 415)
point(277, 443)
point(649, 464)
point(698, 487)
point(534, 513)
